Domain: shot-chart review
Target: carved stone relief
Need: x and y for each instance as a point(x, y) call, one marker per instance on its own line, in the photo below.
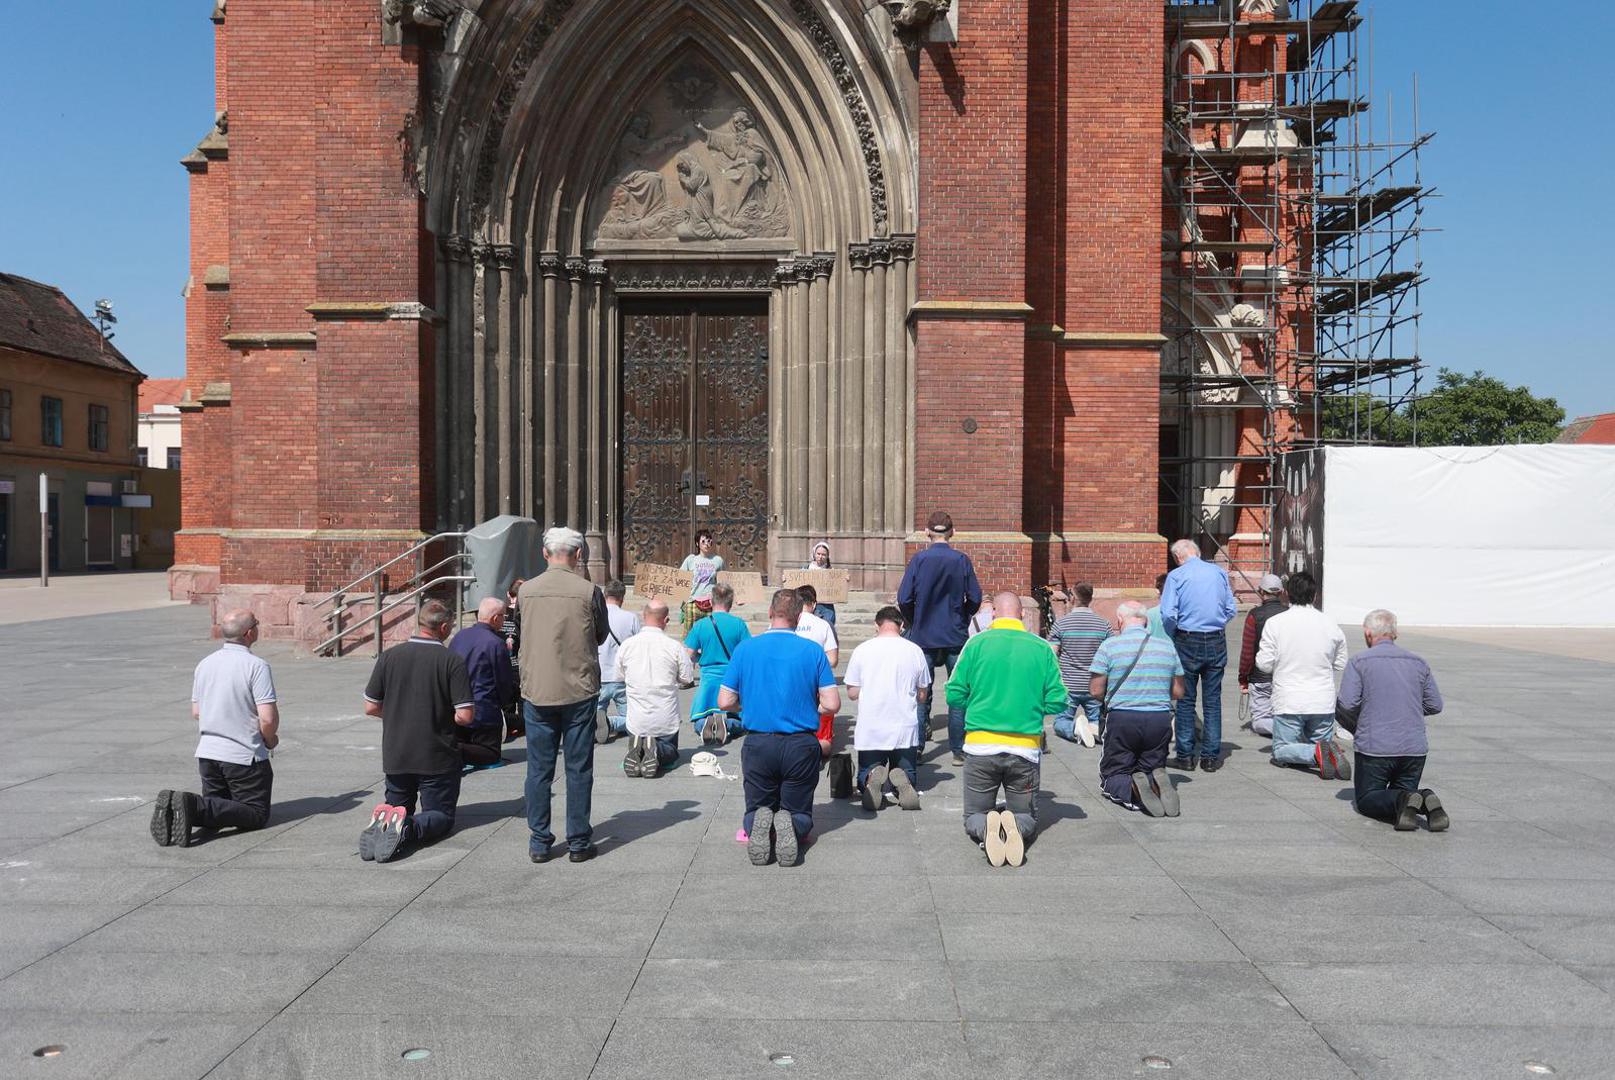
point(693, 165)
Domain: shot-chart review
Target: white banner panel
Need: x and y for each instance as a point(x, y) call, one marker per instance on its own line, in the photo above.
point(1471, 536)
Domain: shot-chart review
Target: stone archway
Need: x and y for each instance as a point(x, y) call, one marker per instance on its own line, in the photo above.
point(590, 153)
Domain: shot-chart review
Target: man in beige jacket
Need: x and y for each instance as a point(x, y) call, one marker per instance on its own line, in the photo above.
point(563, 623)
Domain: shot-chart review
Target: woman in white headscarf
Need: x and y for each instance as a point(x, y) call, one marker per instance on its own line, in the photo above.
point(821, 561)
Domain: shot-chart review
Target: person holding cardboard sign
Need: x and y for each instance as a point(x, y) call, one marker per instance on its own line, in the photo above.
point(703, 567)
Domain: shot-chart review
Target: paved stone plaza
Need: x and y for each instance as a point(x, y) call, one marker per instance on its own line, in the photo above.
point(1269, 932)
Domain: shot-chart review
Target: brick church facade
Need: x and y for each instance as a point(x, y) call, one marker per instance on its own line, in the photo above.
point(791, 269)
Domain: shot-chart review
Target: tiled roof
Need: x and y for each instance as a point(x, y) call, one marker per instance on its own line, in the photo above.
point(1598, 429)
point(155, 392)
point(36, 317)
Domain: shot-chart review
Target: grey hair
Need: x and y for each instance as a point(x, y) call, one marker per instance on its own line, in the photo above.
point(489, 607)
point(1380, 623)
point(562, 539)
point(434, 616)
point(237, 624)
point(1131, 609)
point(1185, 549)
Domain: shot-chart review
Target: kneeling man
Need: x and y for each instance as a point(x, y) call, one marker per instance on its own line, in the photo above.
point(780, 683)
point(653, 667)
point(1007, 680)
point(1138, 676)
point(1384, 697)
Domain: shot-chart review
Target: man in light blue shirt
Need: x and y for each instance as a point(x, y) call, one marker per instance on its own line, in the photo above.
point(1197, 605)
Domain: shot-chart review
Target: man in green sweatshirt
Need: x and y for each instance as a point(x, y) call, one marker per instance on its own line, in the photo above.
point(1007, 680)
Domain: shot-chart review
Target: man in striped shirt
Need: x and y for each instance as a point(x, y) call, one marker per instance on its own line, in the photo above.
point(1077, 635)
point(1138, 676)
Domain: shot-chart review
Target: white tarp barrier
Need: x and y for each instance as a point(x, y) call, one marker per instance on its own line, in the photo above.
point(1471, 536)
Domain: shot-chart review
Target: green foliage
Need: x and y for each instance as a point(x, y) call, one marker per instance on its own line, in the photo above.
point(1463, 410)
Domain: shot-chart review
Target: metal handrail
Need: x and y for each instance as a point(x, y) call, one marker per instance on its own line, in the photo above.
point(415, 550)
point(382, 611)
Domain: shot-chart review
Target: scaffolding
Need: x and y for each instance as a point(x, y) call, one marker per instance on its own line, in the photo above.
point(1291, 264)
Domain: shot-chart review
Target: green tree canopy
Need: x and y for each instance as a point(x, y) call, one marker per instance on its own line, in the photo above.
point(1463, 410)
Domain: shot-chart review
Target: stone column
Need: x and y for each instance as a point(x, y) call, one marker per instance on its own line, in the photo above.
point(455, 409)
point(877, 315)
point(797, 398)
point(851, 407)
point(901, 503)
point(613, 448)
point(816, 276)
point(503, 497)
point(778, 371)
point(594, 523)
point(549, 266)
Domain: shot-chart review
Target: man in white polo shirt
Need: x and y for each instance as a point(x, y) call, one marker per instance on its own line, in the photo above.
point(233, 703)
point(890, 678)
point(653, 667)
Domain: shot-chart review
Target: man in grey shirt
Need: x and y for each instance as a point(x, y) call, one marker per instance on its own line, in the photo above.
point(233, 703)
point(1385, 694)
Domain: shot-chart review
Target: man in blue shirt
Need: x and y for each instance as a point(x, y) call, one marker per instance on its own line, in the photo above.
point(938, 595)
point(493, 683)
point(779, 682)
point(1197, 605)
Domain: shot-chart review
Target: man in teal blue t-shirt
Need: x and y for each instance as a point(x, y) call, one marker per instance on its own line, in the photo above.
point(780, 683)
point(712, 643)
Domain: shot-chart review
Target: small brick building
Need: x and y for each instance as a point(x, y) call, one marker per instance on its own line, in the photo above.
point(790, 269)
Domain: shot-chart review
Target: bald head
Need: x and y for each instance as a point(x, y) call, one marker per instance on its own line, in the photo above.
point(491, 611)
point(1007, 605)
point(655, 613)
point(237, 624)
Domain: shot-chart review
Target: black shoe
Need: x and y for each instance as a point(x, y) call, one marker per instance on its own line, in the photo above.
point(959, 760)
point(1180, 762)
point(1210, 764)
point(187, 809)
point(541, 856)
point(582, 854)
point(1434, 815)
point(1408, 805)
point(162, 818)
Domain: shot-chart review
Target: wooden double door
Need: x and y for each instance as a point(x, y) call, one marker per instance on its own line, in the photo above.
point(694, 430)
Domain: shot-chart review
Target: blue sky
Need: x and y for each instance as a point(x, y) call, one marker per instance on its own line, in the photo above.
point(106, 96)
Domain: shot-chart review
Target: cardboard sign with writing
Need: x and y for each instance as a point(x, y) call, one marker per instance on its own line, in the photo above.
point(831, 585)
point(664, 581)
point(748, 586)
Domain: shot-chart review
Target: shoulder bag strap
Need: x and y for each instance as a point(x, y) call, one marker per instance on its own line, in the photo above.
point(719, 634)
point(1110, 691)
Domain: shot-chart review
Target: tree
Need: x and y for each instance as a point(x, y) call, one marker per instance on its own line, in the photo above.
point(1463, 410)
point(1478, 410)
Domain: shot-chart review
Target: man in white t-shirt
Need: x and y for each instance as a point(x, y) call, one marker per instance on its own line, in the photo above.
point(621, 624)
point(822, 634)
point(233, 703)
point(890, 678)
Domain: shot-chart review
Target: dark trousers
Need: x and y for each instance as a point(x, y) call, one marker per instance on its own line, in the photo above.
point(439, 793)
point(984, 775)
point(947, 658)
point(557, 731)
point(781, 772)
point(1205, 655)
point(234, 796)
point(906, 758)
point(1377, 781)
point(481, 744)
point(1134, 742)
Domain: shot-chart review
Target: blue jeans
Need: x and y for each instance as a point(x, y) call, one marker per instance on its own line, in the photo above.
point(934, 659)
point(554, 731)
point(906, 758)
point(1296, 736)
point(439, 793)
point(613, 693)
point(1065, 725)
point(1204, 654)
point(827, 612)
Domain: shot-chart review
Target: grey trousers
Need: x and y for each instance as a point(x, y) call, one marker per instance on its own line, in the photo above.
point(1262, 708)
point(984, 775)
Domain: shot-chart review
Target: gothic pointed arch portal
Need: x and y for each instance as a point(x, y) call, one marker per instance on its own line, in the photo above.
point(598, 167)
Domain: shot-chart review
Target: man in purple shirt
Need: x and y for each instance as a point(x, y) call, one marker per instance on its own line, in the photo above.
point(1197, 605)
point(1384, 697)
point(483, 647)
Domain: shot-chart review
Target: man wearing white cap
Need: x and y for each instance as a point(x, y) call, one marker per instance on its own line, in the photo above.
point(1253, 681)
